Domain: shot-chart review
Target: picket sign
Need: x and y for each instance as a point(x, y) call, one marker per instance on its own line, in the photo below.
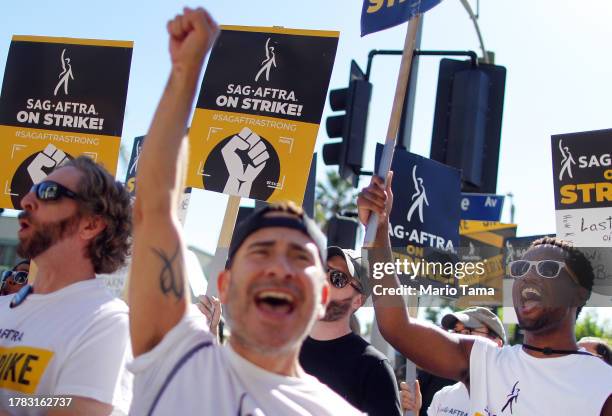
point(396, 115)
point(225, 238)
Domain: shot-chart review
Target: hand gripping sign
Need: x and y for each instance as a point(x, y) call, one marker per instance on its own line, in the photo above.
point(60, 98)
point(258, 112)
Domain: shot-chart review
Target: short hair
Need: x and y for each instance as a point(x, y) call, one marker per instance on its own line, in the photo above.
point(100, 194)
point(575, 260)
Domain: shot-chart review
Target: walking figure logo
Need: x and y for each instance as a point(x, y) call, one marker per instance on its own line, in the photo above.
point(65, 75)
point(512, 397)
point(419, 197)
point(267, 63)
point(567, 162)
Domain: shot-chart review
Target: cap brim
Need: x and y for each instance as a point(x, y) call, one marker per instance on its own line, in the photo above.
point(337, 251)
point(450, 320)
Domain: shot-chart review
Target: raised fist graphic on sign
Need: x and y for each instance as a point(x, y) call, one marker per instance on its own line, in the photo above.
point(45, 161)
point(245, 156)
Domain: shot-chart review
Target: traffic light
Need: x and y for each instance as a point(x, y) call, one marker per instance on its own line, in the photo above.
point(351, 126)
point(467, 121)
point(342, 231)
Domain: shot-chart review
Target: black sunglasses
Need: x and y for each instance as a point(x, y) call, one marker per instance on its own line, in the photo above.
point(52, 191)
point(340, 279)
point(19, 277)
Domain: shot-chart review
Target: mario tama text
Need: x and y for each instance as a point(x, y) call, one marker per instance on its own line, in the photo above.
point(431, 290)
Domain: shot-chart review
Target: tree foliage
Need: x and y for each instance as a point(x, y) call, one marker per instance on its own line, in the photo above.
point(332, 196)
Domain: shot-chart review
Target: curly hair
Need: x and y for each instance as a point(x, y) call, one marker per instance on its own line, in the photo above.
point(575, 260)
point(100, 194)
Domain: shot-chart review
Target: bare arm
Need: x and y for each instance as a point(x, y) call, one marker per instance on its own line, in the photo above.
point(441, 353)
point(157, 295)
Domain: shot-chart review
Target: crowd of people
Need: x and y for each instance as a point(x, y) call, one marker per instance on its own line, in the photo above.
point(287, 298)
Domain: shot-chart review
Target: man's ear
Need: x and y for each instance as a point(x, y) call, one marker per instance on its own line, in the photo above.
point(223, 283)
point(91, 226)
point(324, 300)
point(358, 302)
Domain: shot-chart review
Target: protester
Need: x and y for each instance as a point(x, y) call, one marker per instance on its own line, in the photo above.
point(66, 334)
point(455, 399)
point(13, 280)
point(273, 287)
point(547, 375)
point(598, 347)
point(341, 359)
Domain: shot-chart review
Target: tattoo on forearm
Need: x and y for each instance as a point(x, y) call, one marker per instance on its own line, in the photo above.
point(171, 274)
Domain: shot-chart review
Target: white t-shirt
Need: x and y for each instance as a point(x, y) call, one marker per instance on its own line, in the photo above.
point(74, 341)
point(508, 381)
point(188, 374)
point(453, 400)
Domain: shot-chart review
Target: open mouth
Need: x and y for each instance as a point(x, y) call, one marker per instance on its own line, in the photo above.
point(23, 225)
point(531, 297)
point(275, 302)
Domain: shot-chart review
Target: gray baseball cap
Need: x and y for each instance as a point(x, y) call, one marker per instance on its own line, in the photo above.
point(474, 318)
point(353, 264)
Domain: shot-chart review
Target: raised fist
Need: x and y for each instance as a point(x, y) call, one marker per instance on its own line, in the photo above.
point(242, 175)
point(191, 36)
point(49, 159)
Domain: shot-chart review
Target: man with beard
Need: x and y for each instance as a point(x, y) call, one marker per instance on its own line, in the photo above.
point(66, 335)
point(341, 359)
point(548, 375)
point(273, 286)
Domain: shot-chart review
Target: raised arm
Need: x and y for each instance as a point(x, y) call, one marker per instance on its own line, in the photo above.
point(157, 287)
point(429, 347)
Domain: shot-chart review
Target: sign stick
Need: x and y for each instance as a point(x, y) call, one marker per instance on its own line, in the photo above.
point(396, 114)
point(225, 238)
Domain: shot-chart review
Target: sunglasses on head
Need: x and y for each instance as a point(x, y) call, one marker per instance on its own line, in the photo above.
point(52, 191)
point(18, 277)
point(340, 279)
point(548, 269)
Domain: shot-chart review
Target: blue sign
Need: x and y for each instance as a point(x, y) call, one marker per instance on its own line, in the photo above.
point(481, 207)
point(382, 14)
point(426, 198)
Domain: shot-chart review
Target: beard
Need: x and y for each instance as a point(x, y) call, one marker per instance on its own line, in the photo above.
point(45, 235)
point(337, 309)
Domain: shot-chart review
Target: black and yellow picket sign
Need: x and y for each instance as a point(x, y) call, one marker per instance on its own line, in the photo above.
point(484, 241)
point(61, 97)
point(258, 112)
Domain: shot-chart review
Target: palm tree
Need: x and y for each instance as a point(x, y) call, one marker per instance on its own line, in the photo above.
point(333, 196)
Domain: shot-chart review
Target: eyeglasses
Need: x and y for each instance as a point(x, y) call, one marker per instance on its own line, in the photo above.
point(340, 279)
point(18, 277)
point(548, 269)
point(52, 191)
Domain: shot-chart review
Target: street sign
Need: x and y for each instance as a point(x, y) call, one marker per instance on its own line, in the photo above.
point(481, 207)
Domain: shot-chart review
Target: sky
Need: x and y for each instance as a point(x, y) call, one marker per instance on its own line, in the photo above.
point(556, 54)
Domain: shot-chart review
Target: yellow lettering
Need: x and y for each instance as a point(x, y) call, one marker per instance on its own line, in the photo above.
point(568, 195)
point(603, 192)
point(608, 174)
point(375, 5)
point(586, 190)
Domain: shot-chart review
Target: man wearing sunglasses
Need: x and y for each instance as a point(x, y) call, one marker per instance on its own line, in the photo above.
point(341, 359)
point(548, 375)
point(273, 287)
point(13, 280)
point(66, 334)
